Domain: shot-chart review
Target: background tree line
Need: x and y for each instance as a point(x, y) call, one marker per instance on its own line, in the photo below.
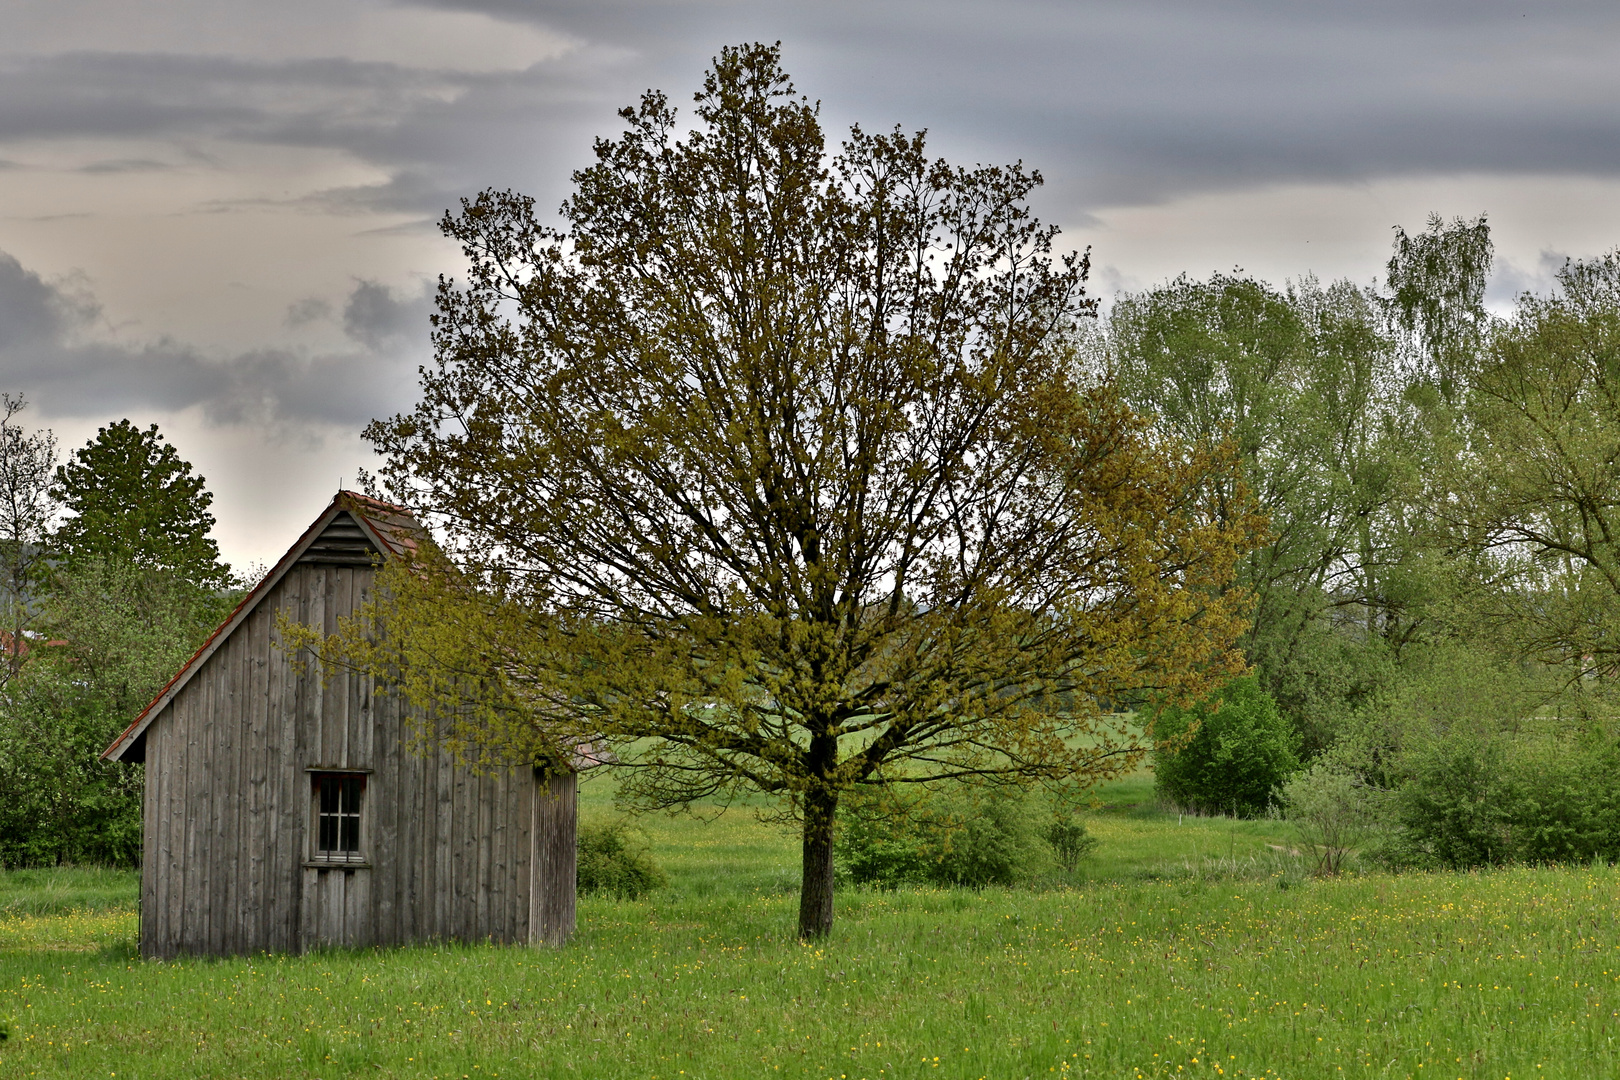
point(110, 581)
point(1435, 611)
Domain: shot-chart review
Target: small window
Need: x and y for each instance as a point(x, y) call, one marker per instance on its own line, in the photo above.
point(338, 834)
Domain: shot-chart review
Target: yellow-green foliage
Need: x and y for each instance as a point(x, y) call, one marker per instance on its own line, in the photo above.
point(613, 859)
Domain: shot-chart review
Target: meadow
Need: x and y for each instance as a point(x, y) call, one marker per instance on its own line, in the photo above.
point(1184, 947)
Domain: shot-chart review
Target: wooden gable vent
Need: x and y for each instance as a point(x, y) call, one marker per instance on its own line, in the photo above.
point(342, 543)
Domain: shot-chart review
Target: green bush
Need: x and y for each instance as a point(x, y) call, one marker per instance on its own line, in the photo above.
point(126, 630)
point(1241, 752)
point(614, 860)
point(1069, 840)
point(59, 803)
point(1477, 801)
point(951, 837)
point(1334, 810)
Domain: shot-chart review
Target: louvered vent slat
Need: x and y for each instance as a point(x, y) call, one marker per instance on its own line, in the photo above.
point(342, 543)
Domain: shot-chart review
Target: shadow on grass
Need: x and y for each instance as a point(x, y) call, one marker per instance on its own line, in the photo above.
point(122, 952)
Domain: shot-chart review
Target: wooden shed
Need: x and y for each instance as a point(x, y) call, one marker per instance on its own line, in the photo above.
point(285, 810)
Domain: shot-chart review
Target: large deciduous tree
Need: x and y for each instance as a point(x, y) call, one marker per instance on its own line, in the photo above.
point(1541, 499)
point(776, 469)
point(1304, 381)
point(1436, 283)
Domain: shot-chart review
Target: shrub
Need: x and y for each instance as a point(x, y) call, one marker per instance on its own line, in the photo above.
point(1334, 811)
point(1069, 840)
point(614, 860)
point(1570, 810)
point(1241, 751)
point(58, 802)
point(1490, 801)
point(952, 837)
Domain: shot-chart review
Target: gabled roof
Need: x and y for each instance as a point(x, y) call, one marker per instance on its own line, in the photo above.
point(354, 530)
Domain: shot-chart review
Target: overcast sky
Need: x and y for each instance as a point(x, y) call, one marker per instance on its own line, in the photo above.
point(219, 215)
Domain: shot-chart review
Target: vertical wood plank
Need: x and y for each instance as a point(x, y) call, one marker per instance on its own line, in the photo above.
point(309, 909)
point(226, 800)
point(288, 782)
point(416, 829)
point(514, 822)
point(443, 897)
point(195, 880)
point(255, 836)
point(248, 816)
point(174, 806)
point(340, 689)
point(523, 794)
point(334, 883)
point(312, 712)
point(307, 751)
point(273, 865)
point(206, 808)
point(357, 923)
point(500, 886)
point(484, 846)
point(263, 809)
point(552, 918)
point(463, 855)
point(155, 849)
point(389, 803)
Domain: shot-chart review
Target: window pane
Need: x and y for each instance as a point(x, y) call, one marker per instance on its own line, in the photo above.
point(337, 815)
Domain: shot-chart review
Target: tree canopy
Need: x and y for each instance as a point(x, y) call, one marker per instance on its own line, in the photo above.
point(777, 469)
point(133, 499)
point(1303, 379)
point(1541, 503)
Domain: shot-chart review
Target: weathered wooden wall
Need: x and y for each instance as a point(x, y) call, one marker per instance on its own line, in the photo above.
point(556, 860)
point(451, 854)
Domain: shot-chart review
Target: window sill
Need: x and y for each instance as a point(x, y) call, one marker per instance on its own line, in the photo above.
point(334, 864)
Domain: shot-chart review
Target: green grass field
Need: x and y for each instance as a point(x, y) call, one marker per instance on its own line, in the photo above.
point(1187, 948)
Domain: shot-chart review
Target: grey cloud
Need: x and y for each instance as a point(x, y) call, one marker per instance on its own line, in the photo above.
point(309, 309)
point(314, 102)
point(125, 165)
point(439, 134)
point(34, 311)
point(1133, 103)
point(1115, 103)
point(1509, 281)
point(379, 320)
point(45, 354)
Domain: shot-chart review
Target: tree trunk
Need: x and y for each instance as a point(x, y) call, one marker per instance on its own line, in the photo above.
point(816, 890)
